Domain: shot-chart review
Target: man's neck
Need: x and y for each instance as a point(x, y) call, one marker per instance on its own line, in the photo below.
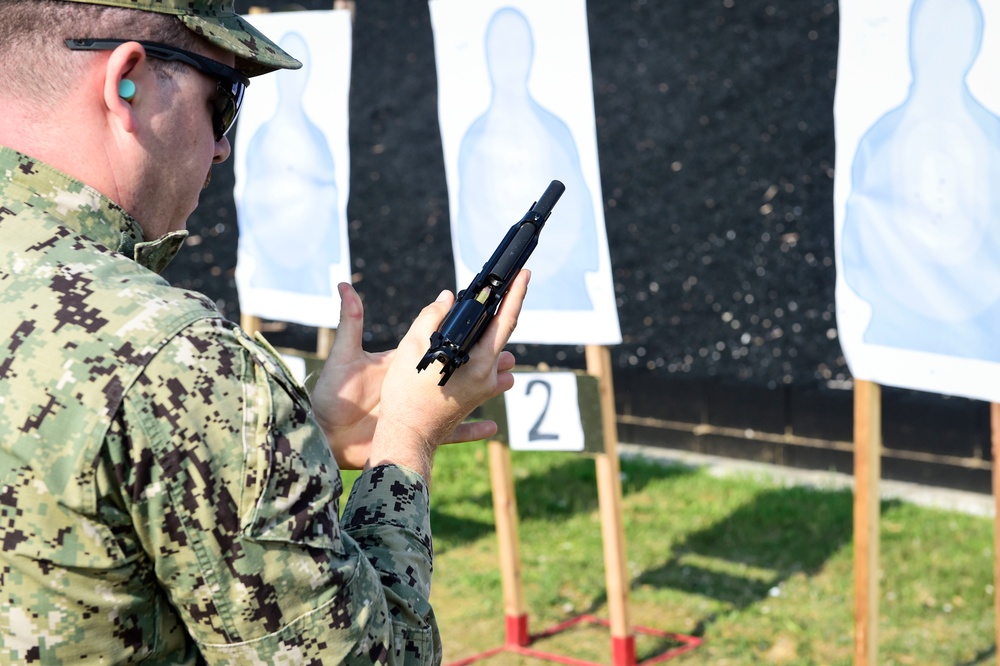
point(66, 138)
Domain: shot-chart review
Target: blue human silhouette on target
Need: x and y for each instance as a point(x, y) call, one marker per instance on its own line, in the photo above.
point(509, 155)
point(921, 235)
point(289, 214)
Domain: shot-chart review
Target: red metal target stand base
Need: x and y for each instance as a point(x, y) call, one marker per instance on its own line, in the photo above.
point(518, 641)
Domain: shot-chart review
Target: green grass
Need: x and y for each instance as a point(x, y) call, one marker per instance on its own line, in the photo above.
point(762, 572)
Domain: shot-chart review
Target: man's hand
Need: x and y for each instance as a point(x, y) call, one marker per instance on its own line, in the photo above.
point(347, 399)
point(417, 415)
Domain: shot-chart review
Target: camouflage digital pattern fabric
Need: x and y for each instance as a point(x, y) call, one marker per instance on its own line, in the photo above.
point(165, 493)
point(218, 22)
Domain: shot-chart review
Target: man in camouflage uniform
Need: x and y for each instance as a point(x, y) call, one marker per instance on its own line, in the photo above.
point(168, 493)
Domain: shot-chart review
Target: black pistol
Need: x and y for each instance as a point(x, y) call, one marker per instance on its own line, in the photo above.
point(477, 305)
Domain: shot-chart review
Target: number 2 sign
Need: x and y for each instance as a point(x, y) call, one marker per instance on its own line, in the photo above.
point(543, 412)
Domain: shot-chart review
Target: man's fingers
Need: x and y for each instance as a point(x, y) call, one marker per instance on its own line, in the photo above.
point(472, 431)
point(505, 362)
point(504, 383)
point(350, 330)
point(433, 314)
point(500, 329)
point(418, 336)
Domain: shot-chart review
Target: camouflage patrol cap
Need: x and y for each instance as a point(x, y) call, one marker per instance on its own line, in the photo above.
point(218, 22)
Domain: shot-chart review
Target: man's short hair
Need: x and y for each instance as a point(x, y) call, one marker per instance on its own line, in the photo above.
point(34, 61)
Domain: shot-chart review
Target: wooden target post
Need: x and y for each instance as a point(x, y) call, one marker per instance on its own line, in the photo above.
point(867, 470)
point(995, 449)
point(609, 491)
point(600, 417)
point(324, 336)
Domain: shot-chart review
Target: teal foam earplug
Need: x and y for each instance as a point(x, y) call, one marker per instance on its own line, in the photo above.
point(126, 89)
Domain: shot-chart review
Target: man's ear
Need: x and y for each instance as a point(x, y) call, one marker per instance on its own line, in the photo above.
point(127, 63)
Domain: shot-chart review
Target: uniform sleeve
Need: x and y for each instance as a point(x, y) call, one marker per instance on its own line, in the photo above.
point(234, 494)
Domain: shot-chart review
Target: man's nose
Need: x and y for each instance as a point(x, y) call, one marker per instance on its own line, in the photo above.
point(222, 150)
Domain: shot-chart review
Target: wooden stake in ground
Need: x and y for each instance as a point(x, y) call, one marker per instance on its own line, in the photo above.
point(609, 491)
point(867, 470)
point(250, 323)
point(995, 439)
point(505, 512)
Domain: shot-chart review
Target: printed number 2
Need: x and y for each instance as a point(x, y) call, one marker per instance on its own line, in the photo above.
point(535, 435)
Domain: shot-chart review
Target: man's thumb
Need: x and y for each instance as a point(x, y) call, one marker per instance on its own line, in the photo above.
point(350, 330)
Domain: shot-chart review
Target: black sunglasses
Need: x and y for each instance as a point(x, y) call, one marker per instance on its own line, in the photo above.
point(231, 87)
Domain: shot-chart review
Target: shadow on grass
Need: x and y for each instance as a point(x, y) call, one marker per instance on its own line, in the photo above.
point(987, 656)
point(571, 488)
point(561, 490)
point(743, 558)
point(451, 531)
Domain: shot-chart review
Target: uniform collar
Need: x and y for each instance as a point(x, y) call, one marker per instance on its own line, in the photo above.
point(82, 208)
